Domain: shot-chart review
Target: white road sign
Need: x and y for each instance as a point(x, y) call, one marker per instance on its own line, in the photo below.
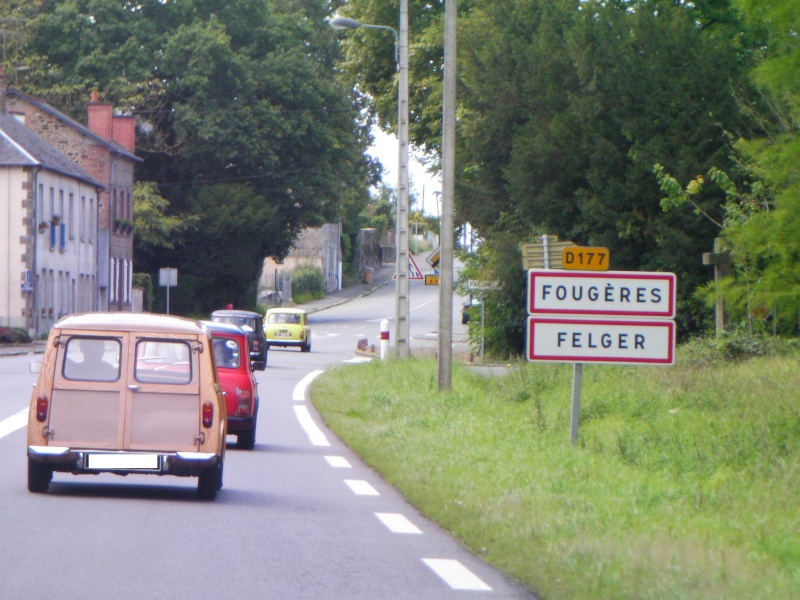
point(606, 293)
point(633, 341)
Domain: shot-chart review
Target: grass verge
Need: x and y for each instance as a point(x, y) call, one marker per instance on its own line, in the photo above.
point(684, 482)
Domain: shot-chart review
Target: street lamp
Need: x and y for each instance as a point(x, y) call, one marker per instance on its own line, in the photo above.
point(401, 58)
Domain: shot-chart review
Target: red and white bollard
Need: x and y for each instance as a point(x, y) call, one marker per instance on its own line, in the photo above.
point(384, 339)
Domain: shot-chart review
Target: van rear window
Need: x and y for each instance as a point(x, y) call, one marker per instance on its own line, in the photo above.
point(92, 359)
point(163, 361)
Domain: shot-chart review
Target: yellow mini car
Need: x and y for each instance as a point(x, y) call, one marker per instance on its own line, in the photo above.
point(288, 327)
point(127, 393)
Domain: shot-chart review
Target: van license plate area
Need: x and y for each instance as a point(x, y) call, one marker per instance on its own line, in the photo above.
point(143, 462)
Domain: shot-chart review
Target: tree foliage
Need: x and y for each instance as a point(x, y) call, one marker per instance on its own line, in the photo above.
point(767, 246)
point(564, 108)
point(236, 104)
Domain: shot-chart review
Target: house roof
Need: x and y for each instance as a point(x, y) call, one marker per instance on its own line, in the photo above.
point(45, 107)
point(21, 147)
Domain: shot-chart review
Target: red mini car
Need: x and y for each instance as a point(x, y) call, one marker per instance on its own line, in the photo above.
point(235, 372)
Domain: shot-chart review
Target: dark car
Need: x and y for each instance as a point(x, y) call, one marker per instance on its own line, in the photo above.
point(253, 325)
point(467, 310)
point(236, 379)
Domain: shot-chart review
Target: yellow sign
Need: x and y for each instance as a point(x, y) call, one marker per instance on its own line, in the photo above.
point(431, 280)
point(582, 258)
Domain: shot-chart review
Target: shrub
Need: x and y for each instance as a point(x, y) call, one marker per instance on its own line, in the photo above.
point(308, 282)
point(738, 345)
point(14, 335)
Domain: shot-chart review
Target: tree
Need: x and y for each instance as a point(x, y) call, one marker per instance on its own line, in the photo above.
point(225, 94)
point(155, 229)
point(766, 247)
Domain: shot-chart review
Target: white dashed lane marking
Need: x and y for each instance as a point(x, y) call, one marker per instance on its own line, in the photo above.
point(454, 574)
point(338, 462)
point(14, 422)
point(361, 487)
point(397, 523)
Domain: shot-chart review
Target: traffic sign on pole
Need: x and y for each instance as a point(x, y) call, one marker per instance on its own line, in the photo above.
point(610, 341)
point(609, 293)
point(583, 258)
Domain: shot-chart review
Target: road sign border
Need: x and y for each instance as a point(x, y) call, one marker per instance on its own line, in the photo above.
point(668, 323)
point(637, 275)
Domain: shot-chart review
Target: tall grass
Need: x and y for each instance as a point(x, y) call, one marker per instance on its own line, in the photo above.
point(684, 483)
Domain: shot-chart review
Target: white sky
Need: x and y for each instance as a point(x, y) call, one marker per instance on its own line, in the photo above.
point(386, 150)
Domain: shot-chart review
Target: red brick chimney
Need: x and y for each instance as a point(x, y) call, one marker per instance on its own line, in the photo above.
point(100, 117)
point(124, 131)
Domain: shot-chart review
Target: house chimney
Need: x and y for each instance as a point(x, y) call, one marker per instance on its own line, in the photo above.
point(2, 89)
point(100, 117)
point(124, 131)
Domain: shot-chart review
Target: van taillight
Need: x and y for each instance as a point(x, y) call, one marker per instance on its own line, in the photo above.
point(41, 409)
point(208, 414)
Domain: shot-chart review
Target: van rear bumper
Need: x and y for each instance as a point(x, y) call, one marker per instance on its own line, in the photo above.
point(79, 461)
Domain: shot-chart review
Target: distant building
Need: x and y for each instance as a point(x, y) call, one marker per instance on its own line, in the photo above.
point(48, 229)
point(105, 150)
point(319, 246)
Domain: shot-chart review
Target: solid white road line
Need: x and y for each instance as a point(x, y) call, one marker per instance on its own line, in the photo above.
point(299, 393)
point(397, 523)
point(338, 462)
point(454, 574)
point(14, 422)
point(361, 487)
point(313, 432)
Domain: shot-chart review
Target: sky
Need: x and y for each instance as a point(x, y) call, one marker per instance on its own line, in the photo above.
point(385, 149)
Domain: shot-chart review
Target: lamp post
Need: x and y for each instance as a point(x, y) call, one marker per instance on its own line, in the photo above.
point(402, 261)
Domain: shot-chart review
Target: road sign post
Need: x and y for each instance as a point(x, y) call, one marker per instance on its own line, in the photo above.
point(168, 278)
point(610, 317)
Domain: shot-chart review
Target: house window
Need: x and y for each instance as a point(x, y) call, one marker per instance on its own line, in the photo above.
point(91, 220)
point(82, 224)
point(52, 203)
point(41, 202)
point(71, 219)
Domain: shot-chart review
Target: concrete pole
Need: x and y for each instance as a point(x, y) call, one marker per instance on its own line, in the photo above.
point(447, 241)
point(402, 299)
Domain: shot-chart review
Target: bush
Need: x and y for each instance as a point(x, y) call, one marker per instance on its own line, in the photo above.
point(737, 346)
point(14, 335)
point(308, 282)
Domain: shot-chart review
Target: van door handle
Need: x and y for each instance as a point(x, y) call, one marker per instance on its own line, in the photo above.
point(133, 388)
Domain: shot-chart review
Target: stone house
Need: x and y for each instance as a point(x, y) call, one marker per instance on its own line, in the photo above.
point(48, 229)
point(104, 149)
point(320, 246)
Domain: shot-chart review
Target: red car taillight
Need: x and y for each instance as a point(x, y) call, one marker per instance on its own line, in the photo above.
point(41, 409)
point(244, 402)
point(208, 414)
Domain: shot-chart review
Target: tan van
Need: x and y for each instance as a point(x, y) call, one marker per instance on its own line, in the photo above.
point(127, 393)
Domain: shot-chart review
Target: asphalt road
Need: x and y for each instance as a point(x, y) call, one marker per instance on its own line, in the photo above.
point(299, 517)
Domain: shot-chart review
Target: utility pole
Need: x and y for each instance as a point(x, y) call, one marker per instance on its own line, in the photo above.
point(402, 299)
point(447, 240)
